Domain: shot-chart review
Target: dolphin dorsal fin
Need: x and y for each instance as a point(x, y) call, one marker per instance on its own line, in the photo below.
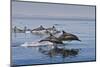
point(41, 26)
point(53, 26)
point(63, 31)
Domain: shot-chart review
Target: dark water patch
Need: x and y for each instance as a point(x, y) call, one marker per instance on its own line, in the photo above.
point(59, 51)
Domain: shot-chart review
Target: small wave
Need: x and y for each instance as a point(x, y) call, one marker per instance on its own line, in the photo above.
point(35, 44)
point(59, 24)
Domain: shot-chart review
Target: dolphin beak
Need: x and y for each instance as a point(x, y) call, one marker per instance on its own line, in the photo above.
point(79, 40)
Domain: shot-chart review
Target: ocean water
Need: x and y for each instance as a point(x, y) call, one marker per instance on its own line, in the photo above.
point(84, 29)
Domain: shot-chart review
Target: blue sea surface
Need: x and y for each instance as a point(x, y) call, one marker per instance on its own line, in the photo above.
point(84, 29)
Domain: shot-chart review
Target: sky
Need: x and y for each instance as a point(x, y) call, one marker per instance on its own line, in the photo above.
point(33, 10)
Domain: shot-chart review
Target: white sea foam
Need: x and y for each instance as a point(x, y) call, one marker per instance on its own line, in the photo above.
point(27, 32)
point(39, 32)
point(35, 44)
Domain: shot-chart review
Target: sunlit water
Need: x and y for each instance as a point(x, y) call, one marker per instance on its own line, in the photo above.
point(85, 30)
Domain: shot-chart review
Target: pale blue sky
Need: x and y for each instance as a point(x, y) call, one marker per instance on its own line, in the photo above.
point(29, 10)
